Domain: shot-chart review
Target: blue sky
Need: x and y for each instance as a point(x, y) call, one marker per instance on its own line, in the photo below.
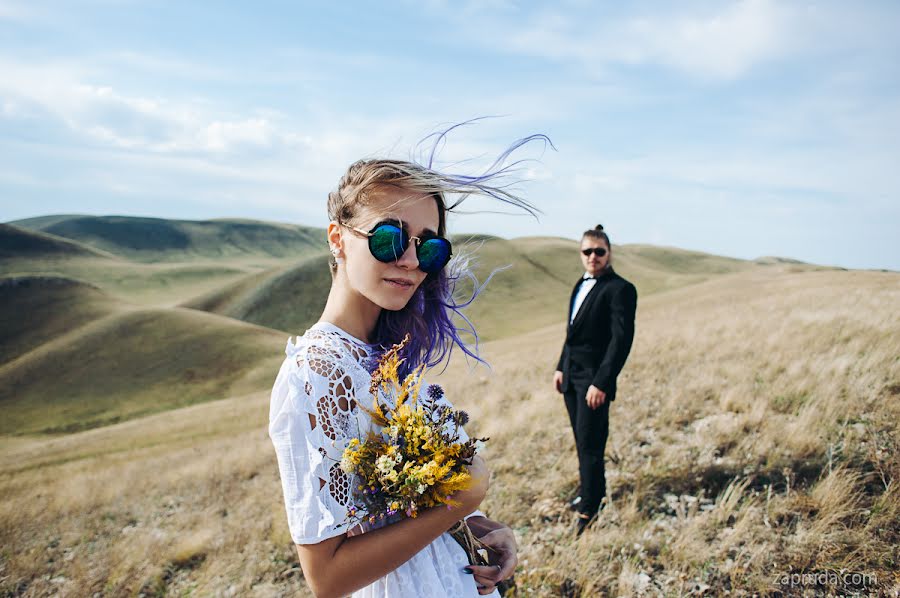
point(739, 128)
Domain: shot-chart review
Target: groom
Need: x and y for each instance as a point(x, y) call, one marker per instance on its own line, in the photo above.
point(598, 340)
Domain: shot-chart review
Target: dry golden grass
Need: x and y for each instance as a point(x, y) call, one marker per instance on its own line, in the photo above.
point(755, 433)
point(175, 502)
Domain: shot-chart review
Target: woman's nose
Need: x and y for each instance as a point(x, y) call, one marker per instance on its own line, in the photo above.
point(409, 259)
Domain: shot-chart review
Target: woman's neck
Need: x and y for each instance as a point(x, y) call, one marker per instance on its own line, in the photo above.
point(351, 312)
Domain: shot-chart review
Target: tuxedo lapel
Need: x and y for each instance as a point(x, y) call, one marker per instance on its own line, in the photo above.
point(571, 305)
point(586, 304)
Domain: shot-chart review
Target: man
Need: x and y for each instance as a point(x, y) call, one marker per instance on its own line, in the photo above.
point(598, 340)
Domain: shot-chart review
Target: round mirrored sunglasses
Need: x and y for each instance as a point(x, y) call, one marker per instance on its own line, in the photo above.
point(388, 242)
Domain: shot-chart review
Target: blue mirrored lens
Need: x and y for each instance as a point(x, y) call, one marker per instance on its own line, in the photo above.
point(433, 254)
point(388, 242)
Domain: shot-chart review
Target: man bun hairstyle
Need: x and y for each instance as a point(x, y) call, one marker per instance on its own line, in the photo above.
point(597, 233)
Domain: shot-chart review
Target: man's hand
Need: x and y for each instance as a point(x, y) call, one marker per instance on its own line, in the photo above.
point(502, 557)
point(557, 380)
point(595, 397)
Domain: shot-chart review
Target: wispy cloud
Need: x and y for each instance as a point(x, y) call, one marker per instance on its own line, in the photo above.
point(696, 124)
point(101, 114)
point(15, 11)
point(715, 41)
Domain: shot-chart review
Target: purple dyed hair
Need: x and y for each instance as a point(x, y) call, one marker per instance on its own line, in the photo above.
point(429, 316)
point(429, 319)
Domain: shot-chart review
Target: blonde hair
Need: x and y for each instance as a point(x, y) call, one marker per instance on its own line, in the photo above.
point(432, 317)
point(364, 176)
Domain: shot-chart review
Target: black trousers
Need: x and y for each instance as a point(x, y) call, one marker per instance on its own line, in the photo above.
point(591, 428)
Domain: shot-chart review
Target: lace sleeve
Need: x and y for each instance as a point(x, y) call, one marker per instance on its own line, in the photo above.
point(311, 419)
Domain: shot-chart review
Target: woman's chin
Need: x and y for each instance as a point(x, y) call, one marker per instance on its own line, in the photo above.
point(397, 306)
point(393, 303)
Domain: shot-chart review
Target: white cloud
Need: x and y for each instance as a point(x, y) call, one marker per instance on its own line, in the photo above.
point(723, 45)
point(102, 115)
point(11, 10)
point(722, 42)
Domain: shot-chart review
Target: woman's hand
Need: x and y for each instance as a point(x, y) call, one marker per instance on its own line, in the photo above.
point(502, 559)
point(481, 481)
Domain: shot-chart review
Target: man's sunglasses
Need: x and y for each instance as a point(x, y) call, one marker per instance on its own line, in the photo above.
point(600, 251)
point(387, 242)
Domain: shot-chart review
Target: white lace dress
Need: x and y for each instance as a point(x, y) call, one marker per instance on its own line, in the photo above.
point(313, 415)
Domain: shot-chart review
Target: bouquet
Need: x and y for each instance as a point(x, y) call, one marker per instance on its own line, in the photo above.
point(416, 459)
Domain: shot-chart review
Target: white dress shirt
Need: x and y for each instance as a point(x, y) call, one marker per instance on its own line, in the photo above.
point(584, 288)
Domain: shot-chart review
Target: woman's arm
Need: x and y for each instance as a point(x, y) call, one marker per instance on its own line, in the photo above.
point(341, 565)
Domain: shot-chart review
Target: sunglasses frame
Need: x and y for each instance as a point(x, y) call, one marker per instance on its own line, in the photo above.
point(409, 239)
point(588, 251)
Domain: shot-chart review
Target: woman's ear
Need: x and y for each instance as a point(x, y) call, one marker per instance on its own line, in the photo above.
point(335, 242)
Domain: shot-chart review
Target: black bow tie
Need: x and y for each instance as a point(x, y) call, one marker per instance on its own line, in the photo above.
point(588, 278)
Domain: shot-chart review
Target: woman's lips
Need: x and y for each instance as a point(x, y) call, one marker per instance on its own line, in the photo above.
point(399, 283)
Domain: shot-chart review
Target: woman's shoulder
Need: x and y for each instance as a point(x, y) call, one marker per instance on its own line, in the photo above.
point(321, 366)
point(325, 347)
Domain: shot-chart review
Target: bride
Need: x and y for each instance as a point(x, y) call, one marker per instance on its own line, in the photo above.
point(390, 277)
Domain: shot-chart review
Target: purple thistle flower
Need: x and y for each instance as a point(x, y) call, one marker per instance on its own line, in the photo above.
point(435, 392)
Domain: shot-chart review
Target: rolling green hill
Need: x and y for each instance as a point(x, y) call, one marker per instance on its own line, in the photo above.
point(288, 298)
point(133, 363)
point(36, 309)
point(125, 335)
point(18, 242)
point(532, 275)
point(28, 253)
point(157, 239)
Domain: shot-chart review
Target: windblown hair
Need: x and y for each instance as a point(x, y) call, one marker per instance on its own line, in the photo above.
point(428, 317)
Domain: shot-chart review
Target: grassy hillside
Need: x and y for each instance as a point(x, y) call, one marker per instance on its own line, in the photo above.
point(156, 239)
point(132, 363)
point(152, 285)
point(289, 298)
point(738, 451)
point(755, 433)
point(17, 242)
point(532, 276)
point(35, 310)
point(535, 289)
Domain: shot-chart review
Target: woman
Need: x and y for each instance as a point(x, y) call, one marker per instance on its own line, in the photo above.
point(389, 278)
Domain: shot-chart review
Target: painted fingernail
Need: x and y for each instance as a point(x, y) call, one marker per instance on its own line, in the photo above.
point(467, 570)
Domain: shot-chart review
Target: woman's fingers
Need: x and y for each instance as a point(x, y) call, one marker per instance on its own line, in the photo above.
point(488, 574)
point(502, 545)
point(484, 583)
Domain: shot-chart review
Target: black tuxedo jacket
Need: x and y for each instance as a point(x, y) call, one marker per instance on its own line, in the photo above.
point(599, 339)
